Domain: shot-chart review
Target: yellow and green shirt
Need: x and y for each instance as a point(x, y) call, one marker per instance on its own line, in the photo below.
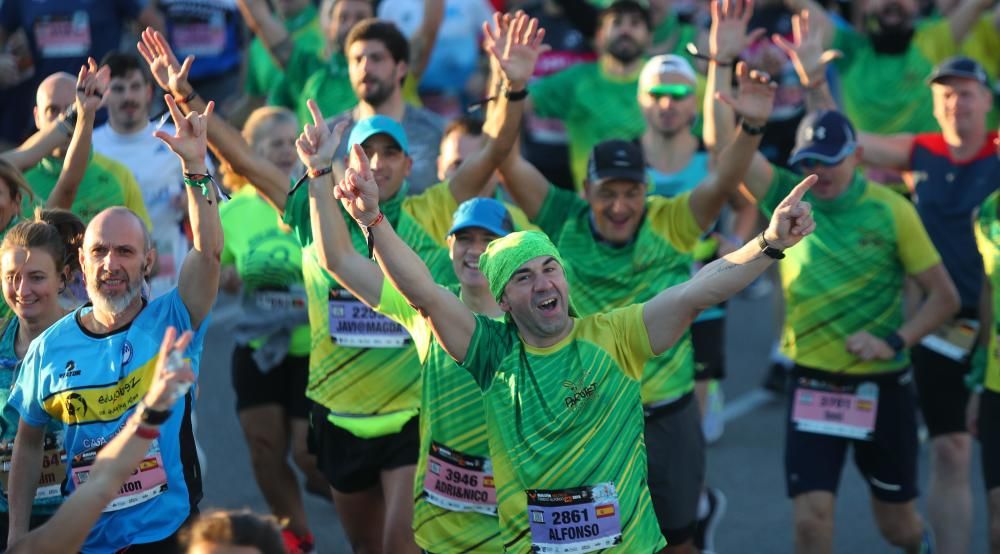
point(988, 238)
point(369, 391)
point(847, 276)
point(451, 415)
point(603, 277)
point(567, 416)
point(262, 73)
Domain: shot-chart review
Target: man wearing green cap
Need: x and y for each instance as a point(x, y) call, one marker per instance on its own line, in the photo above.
point(564, 417)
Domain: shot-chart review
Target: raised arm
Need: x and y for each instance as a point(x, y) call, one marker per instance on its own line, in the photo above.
point(116, 462)
point(225, 141)
point(39, 145)
point(268, 28)
point(452, 322)
point(887, 151)
point(754, 106)
point(514, 45)
point(670, 312)
point(199, 279)
point(316, 147)
point(91, 84)
point(422, 43)
point(963, 18)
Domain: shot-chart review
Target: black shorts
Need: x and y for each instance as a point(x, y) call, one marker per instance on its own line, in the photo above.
point(941, 390)
point(813, 462)
point(708, 338)
point(675, 454)
point(284, 384)
point(989, 437)
point(352, 464)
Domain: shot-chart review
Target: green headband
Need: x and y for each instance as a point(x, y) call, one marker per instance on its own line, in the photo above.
point(505, 255)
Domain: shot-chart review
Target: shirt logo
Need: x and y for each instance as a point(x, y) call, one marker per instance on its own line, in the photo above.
point(76, 406)
point(70, 370)
point(126, 352)
point(578, 393)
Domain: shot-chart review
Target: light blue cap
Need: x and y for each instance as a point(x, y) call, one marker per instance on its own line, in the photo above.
point(485, 213)
point(378, 124)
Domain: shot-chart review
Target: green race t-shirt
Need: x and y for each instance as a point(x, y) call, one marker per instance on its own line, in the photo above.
point(847, 276)
point(988, 239)
point(105, 183)
point(304, 31)
point(866, 76)
point(451, 416)
point(567, 416)
point(268, 259)
point(603, 277)
point(594, 106)
point(310, 76)
point(369, 382)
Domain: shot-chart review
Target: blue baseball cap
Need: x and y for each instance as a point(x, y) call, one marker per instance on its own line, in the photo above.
point(961, 67)
point(375, 125)
point(825, 136)
point(485, 213)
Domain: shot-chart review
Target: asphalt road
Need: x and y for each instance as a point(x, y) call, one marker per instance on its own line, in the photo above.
point(746, 463)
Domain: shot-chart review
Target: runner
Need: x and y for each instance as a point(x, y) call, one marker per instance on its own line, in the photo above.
point(620, 248)
point(120, 334)
point(270, 363)
point(562, 394)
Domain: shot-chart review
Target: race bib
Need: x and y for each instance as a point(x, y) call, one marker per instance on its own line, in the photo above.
point(271, 300)
point(954, 339)
point(574, 520)
point(63, 35)
point(459, 482)
point(200, 38)
point(53, 467)
point(147, 482)
point(355, 325)
point(838, 414)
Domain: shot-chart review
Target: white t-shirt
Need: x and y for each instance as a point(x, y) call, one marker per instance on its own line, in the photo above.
point(158, 172)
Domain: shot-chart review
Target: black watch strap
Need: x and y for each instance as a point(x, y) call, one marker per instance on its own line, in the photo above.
point(767, 249)
point(752, 129)
point(150, 416)
point(895, 342)
point(514, 96)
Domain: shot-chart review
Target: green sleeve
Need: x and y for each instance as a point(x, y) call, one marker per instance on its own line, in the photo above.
point(552, 96)
point(673, 220)
point(254, 84)
point(393, 305)
point(486, 350)
point(556, 209)
point(782, 183)
point(296, 215)
point(916, 251)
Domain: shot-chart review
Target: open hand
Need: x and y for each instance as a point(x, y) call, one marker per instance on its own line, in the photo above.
point(756, 95)
point(727, 37)
point(806, 51)
point(358, 191)
point(317, 143)
point(162, 392)
point(792, 220)
point(171, 75)
point(515, 42)
point(91, 87)
point(868, 347)
point(190, 137)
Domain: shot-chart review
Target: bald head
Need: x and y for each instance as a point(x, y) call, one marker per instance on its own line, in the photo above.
point(115, 258)
point(56, 93)
point(121, 223)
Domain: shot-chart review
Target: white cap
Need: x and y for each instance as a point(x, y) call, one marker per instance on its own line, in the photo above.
point(664, 64)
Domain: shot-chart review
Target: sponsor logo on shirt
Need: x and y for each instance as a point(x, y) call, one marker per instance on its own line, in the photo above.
point(70, 370)
point(579, 393)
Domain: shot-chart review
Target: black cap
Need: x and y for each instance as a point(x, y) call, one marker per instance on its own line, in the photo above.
point(826, 136)
point(616, 159)
point(640, 7)
point(962, 67)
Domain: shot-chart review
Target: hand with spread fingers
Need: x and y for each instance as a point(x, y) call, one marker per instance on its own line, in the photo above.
point(792, 220)
point(756, 95)
point(727, 37)
point(162, 392)
point(358, 191)
point(515, 42)
point(190, 138)
point(317, 143)
point(91, 87)
point(170, 74)
point(806, 51)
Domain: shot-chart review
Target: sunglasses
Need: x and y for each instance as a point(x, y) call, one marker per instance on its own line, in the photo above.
point(678, 91)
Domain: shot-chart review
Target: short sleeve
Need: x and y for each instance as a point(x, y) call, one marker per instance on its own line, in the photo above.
point(934, 40)
point(782, 183)
point(673, 220)
point(557, 207)
point(133, 197)
point(296, 215)
point(551, 95)
point(26, 396)
point(631, 338)
point(916, 251)
point(433, 210)
point(394, 305)
point(486, 350)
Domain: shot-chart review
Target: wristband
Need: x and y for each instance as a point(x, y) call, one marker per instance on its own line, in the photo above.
point(148, 433)
point(202, 180)
point(187, 99)
point(767, 249)
point(752, 130)
point(895, 342)
point(516, 96)
point(693, 50)
point(370, 237)
point(314, 173)
point(149, 416)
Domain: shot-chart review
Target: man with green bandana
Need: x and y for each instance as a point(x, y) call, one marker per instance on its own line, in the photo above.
point(622, 247)
point(562, 393)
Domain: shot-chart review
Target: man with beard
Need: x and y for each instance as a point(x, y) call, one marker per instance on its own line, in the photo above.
point(883, 72)
point(596, 100)
point(105, 182)
point(378, 62)
point(114, 344)
point(128, 138)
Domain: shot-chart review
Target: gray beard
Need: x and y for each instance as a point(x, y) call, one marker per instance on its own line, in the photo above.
point(114, 306)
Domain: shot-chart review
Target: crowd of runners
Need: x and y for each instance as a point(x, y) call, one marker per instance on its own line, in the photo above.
point(482, 252)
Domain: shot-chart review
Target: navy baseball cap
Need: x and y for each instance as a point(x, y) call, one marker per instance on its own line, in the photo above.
point(485, 213)
point(616, 159)
point(376, 125)
point(825, 136)
point(962, 67)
